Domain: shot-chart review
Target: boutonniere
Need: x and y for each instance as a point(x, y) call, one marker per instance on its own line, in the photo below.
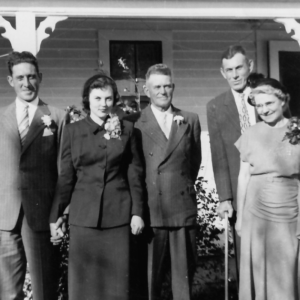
point(46, 120)
point(179, 119)
point(113, 128)
point(293, 133)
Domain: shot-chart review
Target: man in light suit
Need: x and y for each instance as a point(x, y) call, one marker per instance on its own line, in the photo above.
point(170, 140)
point(225, 125)
point(29, 145)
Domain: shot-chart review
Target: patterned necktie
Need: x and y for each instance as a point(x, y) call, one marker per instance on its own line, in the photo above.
point(244, 117)
point(24, 124)
point(164, 126)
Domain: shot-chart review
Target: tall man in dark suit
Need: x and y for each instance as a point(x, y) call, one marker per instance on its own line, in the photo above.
point(171, 146)
point(29, 145)
point(228, 115)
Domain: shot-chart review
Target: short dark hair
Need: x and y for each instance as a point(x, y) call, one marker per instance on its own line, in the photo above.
point(15, 58)
point(159, 69)
point(232, 50)
point(99, 81)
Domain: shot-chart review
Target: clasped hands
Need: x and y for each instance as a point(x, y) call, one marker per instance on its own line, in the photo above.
point(58, 229)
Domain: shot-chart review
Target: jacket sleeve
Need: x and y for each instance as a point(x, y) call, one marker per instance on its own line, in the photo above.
point(196, 149)
point(66, 179)
point(219, 157)
point(136, 176)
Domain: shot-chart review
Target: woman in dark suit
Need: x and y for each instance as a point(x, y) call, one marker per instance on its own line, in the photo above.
point(102, 180)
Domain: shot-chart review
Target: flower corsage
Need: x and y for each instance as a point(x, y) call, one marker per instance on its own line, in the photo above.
point(293, 134)
point(113, 128)
point(179, 119)
point(46, 120)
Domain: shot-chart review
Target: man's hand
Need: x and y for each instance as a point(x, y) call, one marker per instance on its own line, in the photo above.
point(137, 225)
point(225, 206)
point(58, 229)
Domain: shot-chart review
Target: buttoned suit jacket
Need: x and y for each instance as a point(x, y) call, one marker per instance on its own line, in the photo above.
point(172, 167)
point(28, 174)
point(101, 179)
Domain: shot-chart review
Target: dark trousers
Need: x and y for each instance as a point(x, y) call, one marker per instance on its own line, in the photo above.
point(16, 248)
point(180, 245)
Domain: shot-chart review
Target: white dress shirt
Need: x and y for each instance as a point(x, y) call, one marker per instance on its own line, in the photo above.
point(32, 107)
point(250, 108)
point(164, 119)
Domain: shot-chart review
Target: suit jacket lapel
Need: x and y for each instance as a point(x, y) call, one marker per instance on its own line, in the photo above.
point(11, 124)
point(232, 111)
point(176, 134)
point(152, 129)
point(36, 125)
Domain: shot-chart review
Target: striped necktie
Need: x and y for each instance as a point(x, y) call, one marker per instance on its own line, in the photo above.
point(244, 116)
point(24, 124)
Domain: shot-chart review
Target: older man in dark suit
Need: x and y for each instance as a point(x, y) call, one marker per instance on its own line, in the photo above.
point(170, 139)
point(228, 115)
point(29, 144)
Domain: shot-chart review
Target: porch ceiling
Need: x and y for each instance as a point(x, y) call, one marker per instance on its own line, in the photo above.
point(253, 9)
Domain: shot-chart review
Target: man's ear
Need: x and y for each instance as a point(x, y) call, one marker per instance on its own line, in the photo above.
point(41, 77)
point(10, 80)
point(146, 91)
point(251, 65)
point(223, 73)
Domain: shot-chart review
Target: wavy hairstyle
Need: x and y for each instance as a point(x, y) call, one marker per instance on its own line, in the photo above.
point(99, 81)
point(261, 85)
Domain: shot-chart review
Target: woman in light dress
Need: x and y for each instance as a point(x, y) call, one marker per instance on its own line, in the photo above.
point(268, 202)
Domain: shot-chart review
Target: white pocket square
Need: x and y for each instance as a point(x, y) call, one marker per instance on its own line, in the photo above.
point(47, 132)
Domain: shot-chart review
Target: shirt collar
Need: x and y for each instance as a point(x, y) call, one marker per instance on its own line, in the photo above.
point(246, 93)
point(97, 120)
point(32, 104)
point(159, 113)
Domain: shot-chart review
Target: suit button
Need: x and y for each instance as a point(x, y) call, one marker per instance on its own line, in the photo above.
point(160, 193)
point(159, 172)
point(182, 193)
point(151, 153)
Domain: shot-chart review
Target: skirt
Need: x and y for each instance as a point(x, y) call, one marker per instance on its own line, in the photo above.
point(99, 263)
point(269, 247)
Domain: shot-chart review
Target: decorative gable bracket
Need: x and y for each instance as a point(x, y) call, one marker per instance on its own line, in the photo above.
point(25, 37)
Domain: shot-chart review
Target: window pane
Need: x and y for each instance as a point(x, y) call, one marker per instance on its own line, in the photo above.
point(147, 54)
point(138, 55)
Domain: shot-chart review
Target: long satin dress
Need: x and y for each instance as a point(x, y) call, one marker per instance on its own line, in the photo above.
point(269, 266)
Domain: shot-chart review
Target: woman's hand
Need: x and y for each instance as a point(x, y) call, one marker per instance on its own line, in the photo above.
point(58, 230)
point(137, 225)
point(238, 226)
